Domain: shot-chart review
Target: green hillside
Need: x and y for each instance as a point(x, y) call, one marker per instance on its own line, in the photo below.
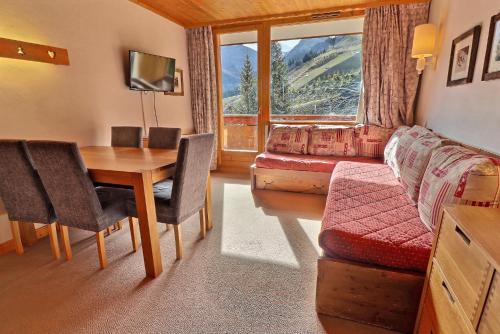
point(321, 78)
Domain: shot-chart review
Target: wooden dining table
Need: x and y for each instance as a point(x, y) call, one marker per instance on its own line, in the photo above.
point(139, 168)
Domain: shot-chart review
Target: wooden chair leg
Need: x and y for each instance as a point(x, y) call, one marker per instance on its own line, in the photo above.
point(134, 233)
point(54, 241)
point(208, 204)
point(110, 230)
point(16, 234)
point(65, 241)
point(178, 241)
point(103, 260)
point(203, 225)
point(120, 225)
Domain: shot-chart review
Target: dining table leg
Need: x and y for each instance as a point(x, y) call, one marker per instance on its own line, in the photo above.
point(146, 211)
point(208, 204)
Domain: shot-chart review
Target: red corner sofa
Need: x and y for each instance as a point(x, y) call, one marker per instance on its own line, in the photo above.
point(384, 199)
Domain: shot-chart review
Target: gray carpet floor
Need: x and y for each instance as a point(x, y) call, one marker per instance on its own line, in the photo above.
point(254, 273)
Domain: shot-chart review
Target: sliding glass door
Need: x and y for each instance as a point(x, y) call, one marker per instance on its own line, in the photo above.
point(239, 84)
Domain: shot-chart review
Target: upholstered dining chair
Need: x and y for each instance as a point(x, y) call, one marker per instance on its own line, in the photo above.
point(178, 199)
point(23, 194)
point(76, 201)
point(126, 136)
point(166, 138)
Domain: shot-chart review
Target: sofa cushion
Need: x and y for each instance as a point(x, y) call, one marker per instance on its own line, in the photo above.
point(310, 163)
point(416, 161)
point(456, 175)
point(369, 218)
point(371, 140)
point(404, 143)
point(288, 139)
point(332, 140)
point(392, 145)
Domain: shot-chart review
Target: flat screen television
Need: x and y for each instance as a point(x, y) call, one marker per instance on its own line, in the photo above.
point(151, 72)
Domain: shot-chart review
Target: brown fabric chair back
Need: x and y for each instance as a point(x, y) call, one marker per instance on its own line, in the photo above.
point(67, 183)
point(191, 173)
point(21, 189)
point(166, 138)
point(126, 136)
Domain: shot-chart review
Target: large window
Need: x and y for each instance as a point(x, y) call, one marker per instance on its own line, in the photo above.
point(316, 78)
point(309, 72)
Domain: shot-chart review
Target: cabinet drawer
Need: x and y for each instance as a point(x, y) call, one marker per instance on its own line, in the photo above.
point(490, 320)
point(443, 312)
point(465, 268)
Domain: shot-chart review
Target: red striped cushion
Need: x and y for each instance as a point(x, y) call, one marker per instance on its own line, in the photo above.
point(456, 175)
point(371, 140)
point(404, 143)
point(332, 140)
point(288, 139)
point(416, 161)
point(392, 146)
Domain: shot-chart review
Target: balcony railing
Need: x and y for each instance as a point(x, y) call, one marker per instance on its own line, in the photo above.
point(240, 131)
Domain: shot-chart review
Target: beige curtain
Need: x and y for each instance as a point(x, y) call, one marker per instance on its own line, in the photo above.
point(389, 73)
point(203, 83)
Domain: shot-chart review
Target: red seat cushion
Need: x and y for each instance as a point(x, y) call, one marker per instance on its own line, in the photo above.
point(310, 163)
point(369, 218)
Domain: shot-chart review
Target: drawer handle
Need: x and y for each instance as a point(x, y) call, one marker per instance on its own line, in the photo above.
point(448, 292)
point(462, 235)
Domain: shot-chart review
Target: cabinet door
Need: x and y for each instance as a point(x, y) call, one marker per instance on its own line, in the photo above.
point(490, 320)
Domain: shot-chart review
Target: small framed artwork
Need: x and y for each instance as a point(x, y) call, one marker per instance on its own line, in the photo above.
point(491, 69)
point(178, 83)
point(463, 57)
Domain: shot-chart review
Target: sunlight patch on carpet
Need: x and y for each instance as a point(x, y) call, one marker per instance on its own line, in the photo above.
point(249, 233)
point(311, 228)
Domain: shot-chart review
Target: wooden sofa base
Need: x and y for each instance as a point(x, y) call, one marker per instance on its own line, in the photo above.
point(290, 180)
point(368, 294)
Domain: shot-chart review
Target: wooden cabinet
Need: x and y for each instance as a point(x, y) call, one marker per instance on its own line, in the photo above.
point(490, 321)
point(462, 288)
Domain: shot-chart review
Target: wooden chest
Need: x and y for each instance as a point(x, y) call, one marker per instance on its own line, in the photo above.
point(461, 289)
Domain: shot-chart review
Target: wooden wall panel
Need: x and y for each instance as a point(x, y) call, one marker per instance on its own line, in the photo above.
point(192, 13)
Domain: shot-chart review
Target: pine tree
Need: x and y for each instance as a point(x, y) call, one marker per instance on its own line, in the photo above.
point(280, 88)
point(248, 89)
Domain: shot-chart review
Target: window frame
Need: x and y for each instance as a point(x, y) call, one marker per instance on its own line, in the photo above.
point(231, 157)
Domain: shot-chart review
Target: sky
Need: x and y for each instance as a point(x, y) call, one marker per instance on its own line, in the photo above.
point(286, 46)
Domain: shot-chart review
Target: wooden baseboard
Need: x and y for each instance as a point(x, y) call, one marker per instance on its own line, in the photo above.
point(9, 245)
point(368, 294)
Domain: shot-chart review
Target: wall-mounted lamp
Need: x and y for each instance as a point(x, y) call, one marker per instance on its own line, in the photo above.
point(424, 42)
point(35, 52)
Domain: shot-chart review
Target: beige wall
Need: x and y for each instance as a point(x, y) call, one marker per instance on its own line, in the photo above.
point(468, 113)
point(81, 101)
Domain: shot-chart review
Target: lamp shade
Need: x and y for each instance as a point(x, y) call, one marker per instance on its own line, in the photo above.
point(424, 40)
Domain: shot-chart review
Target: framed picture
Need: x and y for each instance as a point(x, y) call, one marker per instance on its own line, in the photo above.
point(178, 83)
point(491, 69)
point(463, 57)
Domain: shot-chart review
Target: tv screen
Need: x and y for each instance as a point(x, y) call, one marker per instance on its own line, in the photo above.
point(150, 72)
